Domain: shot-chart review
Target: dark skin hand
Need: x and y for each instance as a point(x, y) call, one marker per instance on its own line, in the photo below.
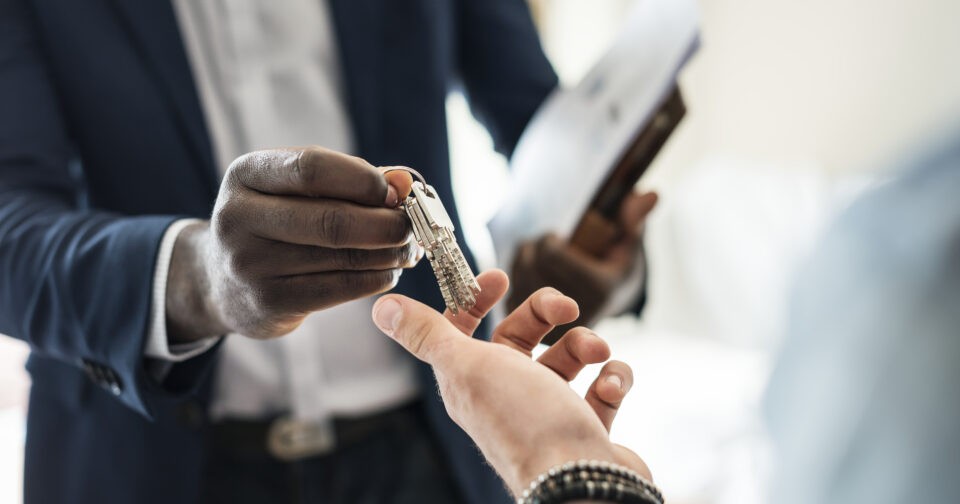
point(293, 231)
point(591, 281)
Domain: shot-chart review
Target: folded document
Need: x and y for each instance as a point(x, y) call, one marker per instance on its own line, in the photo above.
point(579, 134)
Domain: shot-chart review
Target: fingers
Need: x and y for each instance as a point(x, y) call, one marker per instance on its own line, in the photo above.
point(523, 329)
point(634, 211)
point(421, 330)
point(312, 172)
point(576, 349)
point(279, 259)
point(608, 390)
point(317, 291)
point(323, 223)
point(399, 180)
point(493, 285)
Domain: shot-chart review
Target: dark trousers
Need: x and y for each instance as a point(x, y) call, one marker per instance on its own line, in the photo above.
point(397, 463)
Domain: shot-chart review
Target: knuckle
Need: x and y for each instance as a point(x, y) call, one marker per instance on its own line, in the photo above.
point(371, 180)
point(238, 167)
point(240, 263)
point(378, 186)
point(270, 301)
point(277, 216)
point(324, 291)
point(537, 300)
point(353, 259)
point(334, 225)
point(398, 232)
point(404, 256)
point(393, 257)
point(305, 171)
point(248, 170)
point(227, 219)
point(570, 345)
point(273, 299)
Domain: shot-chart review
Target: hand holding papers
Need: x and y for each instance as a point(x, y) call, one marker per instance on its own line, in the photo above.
point(579, 135)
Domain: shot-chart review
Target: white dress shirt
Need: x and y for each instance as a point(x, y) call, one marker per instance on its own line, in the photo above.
point(268, 76)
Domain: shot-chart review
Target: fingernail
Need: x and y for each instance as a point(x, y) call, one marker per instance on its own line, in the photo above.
point(614, 379)
point(387, 315)
point(392, 197)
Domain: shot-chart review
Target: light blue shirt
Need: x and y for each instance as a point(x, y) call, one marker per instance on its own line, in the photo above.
point(864, 406)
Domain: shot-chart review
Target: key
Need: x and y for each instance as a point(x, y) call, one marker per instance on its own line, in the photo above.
point(433, 230)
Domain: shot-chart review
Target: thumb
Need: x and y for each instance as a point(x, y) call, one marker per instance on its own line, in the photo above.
point(400, 181)
point(421, 330)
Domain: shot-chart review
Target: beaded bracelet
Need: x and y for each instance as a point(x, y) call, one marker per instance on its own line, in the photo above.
point(591, 479)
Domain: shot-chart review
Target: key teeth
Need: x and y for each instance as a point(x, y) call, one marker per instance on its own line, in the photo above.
point(458, 285)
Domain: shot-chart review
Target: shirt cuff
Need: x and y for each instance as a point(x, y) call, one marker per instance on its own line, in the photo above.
point(158, 347)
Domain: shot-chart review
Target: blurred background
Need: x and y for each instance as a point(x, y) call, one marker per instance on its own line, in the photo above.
point(794, 109)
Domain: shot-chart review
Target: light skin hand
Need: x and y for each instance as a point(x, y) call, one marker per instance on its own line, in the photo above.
point(293, 231)
point(522, 414)
point(588, 279)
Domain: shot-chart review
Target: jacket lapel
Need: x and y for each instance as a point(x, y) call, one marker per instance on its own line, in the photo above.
point(358, 26)
point(153, 29)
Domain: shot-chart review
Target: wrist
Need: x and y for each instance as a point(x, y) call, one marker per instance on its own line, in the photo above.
point(191, 309)
point(584, 481)
point(542, 460)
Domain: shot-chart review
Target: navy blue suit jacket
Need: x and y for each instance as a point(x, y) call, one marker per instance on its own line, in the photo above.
point(103, 145)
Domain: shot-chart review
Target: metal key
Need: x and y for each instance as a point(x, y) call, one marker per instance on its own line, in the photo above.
point(433, 230)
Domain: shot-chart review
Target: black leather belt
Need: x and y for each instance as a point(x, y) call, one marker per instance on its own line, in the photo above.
point(288, 439)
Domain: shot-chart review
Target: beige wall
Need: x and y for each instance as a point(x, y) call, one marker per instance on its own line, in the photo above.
point(836, 83)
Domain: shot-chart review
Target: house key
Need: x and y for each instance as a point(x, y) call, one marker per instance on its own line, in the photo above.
point(433, 230)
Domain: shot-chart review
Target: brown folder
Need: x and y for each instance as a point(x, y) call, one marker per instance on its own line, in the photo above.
point(598, 229)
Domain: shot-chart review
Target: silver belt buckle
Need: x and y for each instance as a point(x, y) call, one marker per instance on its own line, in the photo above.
point(290, 439)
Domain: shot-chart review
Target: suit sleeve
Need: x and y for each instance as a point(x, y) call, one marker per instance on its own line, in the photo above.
point(504, 70)
point(75, 284)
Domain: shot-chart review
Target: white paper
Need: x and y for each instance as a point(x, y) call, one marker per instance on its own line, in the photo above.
point(577, 136)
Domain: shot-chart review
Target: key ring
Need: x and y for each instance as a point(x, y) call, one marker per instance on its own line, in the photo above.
point(413, 172)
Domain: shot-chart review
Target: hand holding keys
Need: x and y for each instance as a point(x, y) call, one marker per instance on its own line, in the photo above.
point(433, 230)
